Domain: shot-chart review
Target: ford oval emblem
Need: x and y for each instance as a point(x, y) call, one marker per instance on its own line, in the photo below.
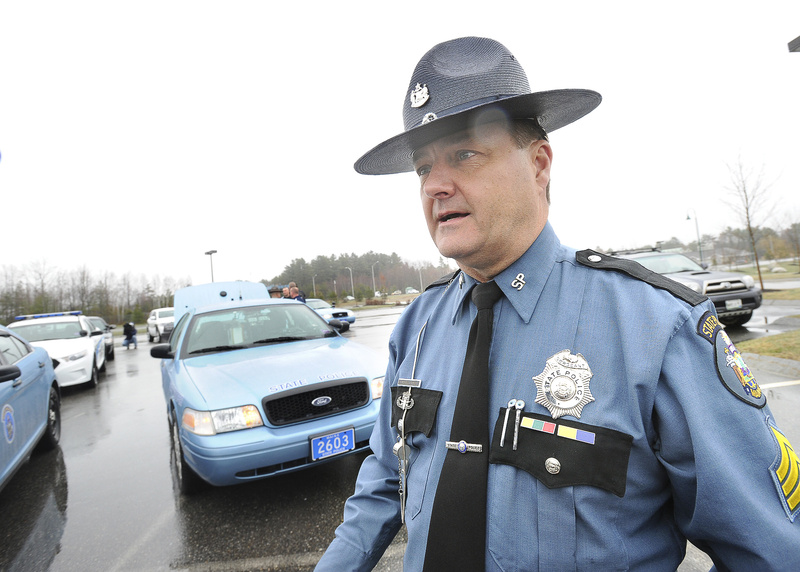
point(321, 401)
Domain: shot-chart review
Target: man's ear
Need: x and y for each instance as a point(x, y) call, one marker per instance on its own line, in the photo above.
point(541, 157)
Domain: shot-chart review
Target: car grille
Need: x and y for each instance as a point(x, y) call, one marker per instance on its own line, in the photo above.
point(338, 315)
point(725, 286)
point(344, 395)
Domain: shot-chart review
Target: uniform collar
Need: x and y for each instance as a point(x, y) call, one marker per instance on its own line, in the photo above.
point(522, 282)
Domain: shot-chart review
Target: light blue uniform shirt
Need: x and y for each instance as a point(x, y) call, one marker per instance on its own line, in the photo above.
point(704, 464)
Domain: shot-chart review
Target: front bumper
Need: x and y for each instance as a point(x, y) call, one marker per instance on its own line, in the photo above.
point(751, 299)
point(251, 454)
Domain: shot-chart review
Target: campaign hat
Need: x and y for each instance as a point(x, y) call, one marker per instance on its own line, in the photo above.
point(450, 88)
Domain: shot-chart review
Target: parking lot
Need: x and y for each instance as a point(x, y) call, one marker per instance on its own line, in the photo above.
point(105, 500)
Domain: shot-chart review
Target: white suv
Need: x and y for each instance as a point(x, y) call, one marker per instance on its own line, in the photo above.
point(76, 346)
point(160, 324)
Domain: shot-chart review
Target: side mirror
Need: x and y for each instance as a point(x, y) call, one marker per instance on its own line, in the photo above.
point(9, 372)
point(339, 325)
point(704, 265)
point(83, 333)
point(161, 351)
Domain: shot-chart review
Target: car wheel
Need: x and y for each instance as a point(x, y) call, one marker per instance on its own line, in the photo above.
point(149, 337)
point(184, 477)
point(110, 356)
point(52, 432)
point(157, 337)
point(736, 320)
point(95, 379)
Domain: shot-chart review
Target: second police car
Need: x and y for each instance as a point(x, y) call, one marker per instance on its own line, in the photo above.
point(256, 387)
point(76, 346)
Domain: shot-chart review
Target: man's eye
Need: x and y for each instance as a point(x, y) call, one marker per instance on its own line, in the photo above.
point(464, 155)
point(423, 170)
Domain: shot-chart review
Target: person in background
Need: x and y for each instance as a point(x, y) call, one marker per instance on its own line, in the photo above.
point(129, 331)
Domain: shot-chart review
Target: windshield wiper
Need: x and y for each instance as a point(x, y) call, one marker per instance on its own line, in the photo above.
point(281, 339)
point(216, 349)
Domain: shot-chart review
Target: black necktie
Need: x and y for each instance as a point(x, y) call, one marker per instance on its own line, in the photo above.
point(457, 535)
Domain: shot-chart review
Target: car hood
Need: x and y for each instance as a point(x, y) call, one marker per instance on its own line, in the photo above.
point(58, 349)
point(706, 276)
point(239, 377)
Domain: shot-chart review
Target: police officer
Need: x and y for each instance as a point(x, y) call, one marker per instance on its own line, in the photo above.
point(622, 421)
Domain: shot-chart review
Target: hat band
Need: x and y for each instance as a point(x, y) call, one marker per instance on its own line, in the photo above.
point(431, 116)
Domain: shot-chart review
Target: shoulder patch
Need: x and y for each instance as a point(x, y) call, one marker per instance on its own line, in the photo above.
point(443, 281)
point(731, 369)
point(633, 269)
point(785, 472)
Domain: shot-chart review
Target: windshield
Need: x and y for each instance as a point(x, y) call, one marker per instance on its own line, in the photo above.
point(318, 304)
point(165, 314)
point(669, 263)
point(51, 331)
point(239, 328)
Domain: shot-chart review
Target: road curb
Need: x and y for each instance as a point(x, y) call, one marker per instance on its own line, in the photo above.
point(777, 366)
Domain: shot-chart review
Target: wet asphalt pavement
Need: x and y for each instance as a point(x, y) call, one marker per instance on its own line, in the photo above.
point(105, 500)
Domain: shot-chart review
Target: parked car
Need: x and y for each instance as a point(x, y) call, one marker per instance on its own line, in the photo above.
point(108, 335)
point(256, 387)
point(30, 402)
point(160, 324)
point(330, 312)
point(735, 294)
point(76, 346)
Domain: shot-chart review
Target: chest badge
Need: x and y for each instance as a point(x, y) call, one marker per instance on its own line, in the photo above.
point(563, 386)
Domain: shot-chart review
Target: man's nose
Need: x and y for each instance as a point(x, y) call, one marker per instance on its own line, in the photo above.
point(439, 183)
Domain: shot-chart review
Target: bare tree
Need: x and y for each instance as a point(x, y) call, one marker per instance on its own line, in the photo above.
point(751, 202)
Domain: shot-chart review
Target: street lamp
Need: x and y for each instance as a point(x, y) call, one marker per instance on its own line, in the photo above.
point(314, 284)
point(210, 255)
point(697, 229)
point(373, 276)
point(352, 288)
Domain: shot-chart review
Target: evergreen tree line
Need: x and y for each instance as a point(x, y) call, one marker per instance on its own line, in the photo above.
point(333, 278)
point(42, 288)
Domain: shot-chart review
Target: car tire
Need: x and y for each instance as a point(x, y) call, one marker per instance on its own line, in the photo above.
point(52, 432)
point(110, 356)
point(157, 338)
point(184, 477)
point(734, 321)
point(95, 379)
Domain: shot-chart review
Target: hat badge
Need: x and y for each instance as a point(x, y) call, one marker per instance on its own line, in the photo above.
point(419, 95)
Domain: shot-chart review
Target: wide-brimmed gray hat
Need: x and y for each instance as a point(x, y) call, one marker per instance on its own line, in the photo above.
point(452, 83)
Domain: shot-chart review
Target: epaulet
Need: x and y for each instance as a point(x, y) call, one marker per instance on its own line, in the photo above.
point(633, 269)
point(443, 281)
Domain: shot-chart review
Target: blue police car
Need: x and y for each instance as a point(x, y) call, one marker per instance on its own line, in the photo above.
point(256, 387)
point(30, 402)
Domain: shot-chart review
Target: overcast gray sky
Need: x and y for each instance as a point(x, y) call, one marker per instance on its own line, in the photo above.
point(135, 136)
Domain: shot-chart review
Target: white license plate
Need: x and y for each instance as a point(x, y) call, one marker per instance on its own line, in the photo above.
point(332, 444)
point(733, 304)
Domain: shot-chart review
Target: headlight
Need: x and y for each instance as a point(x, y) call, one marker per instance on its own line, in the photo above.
point(748, 280)
point(689, 284)
point(222, 420)
point(327, 316)
point(377, 387)
point(76, 356)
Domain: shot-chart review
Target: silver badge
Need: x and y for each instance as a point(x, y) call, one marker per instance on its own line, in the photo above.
point(563, 386)
point(519, 281)
point(419, 95)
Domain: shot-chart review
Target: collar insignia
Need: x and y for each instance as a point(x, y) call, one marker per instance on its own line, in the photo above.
point(518, 282)
point(419, 95)
point(563, 386)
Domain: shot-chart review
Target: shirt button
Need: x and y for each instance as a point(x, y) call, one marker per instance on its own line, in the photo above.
point(553, 466)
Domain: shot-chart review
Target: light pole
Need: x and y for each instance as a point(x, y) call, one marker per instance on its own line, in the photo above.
point(352, 288)
point(697, 229)
point(211, 254)
point(421, 289)
point(314, 284)
point(373, 276)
